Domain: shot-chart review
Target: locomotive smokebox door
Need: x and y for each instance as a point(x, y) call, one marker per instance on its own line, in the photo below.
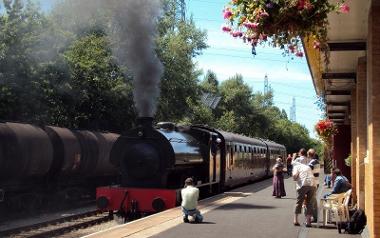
point(143, 155)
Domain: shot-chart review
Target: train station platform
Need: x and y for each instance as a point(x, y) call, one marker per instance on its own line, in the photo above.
point(249, 211)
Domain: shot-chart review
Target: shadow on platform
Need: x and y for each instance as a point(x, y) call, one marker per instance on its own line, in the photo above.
point(205, 223)
point(233, 206)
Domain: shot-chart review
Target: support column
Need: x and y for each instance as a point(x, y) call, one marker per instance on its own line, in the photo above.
point(372, 164)
point(342, 142)
point(361, 129)
point(353, 146)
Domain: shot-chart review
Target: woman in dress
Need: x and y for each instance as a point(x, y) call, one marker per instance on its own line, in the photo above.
point(278, 179)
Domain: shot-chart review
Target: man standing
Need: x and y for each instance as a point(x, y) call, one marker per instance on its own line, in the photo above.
point(190, 195)
point(315, 169)
point(289, 164)
point(305, 190)
point(302, 157)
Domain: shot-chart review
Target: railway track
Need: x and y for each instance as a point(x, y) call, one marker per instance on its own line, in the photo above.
point(58, 226)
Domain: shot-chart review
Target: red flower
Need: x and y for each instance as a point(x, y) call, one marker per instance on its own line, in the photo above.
point(325, 129)
point(301, 4)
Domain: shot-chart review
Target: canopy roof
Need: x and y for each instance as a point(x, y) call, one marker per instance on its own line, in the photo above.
point(347, 36)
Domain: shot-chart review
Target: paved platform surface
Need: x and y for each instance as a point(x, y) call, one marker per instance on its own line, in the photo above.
point(248, 211)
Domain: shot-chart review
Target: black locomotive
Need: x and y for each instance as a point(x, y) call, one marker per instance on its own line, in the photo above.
point(154, 163)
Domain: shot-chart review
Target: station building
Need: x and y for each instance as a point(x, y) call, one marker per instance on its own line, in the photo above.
point(350, 86)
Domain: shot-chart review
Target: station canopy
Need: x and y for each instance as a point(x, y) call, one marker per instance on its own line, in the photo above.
point(347, 36)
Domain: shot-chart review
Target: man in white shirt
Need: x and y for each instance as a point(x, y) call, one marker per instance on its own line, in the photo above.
point(190, 195)
point(305, 190)
point(303, 159)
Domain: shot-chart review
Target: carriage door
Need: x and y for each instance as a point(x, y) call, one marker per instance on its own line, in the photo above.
point(214, 159)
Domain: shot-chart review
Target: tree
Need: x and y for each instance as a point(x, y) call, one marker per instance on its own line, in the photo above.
point(236, 102)
point(97, 86)
point(20, 30)
point(177, 44)
point(210, 83)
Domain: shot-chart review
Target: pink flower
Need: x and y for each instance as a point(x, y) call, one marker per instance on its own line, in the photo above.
point(226, 28)
point(344, 8)
point(264, 14)
point(316, 44)
point(292, 48)
point(263, 37)
point(227, 14)
point(237, 34)
point(269, 5)
point(299, 54)
point(308, 5)
point(255, 41)
point(251, 25)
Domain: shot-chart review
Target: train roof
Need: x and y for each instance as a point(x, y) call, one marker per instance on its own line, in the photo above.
point(273, 144)
point(228, 136)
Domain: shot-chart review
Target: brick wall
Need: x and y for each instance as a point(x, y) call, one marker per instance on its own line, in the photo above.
point(353, 145)
point(361, 130)
point(372, 165)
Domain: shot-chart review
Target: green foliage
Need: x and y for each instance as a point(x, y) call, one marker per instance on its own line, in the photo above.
point(210, 83)
point(348, 160)
point(20, 30)
point(177, 44)
point(97, 85)
point(200, 114)
point(228, 122)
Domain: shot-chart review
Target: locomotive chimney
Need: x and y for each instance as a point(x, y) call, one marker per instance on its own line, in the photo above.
point(145, 121)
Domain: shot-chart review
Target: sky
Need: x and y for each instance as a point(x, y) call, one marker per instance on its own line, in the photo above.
point(227, 56)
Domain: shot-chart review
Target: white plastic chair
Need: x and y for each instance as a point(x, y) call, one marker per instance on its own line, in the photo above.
point(337, 206)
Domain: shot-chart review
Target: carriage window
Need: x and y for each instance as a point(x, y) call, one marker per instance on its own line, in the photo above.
point(254, 150)
point(241, 149)
point(236, 148)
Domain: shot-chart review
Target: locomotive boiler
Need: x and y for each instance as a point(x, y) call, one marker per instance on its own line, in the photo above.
point(155, 161)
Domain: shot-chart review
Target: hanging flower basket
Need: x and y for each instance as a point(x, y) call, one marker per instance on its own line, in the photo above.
point(281, 23)
point(326, 130)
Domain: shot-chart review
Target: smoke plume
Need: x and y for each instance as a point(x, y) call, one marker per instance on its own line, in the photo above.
point(134, 25)
point(132, 30)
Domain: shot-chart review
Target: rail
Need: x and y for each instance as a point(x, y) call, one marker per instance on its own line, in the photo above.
point(59, 226)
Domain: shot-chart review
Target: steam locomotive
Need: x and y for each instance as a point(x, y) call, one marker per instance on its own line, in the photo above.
point(37, 163)
point(154, 162)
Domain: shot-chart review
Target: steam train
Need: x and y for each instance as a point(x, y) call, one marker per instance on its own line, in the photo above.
point(37, 163)
point(154, 162)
